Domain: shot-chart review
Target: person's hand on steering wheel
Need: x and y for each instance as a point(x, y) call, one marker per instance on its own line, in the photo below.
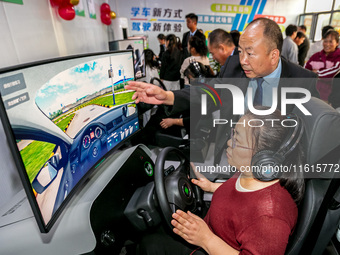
point(203, 182)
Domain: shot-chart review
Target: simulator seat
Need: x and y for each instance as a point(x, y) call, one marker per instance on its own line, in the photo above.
point(319, 211)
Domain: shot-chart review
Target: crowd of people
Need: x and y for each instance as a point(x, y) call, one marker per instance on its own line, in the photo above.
point(260, 59)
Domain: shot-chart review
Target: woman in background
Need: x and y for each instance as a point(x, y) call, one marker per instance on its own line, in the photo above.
point(171, 63)
point(326, 63)
point(198, 51)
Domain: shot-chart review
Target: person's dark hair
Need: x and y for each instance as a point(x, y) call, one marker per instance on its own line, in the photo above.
point(303, 27)
point(324, 30)
point(235, 34)
point(333, 33)
point(192, 16)
point(270, 137)
point(300, 35)
point(199, 45)
point(149, 58)
point(220, 36)
point(271, 32)
point(173, 42)
point(291, 29)
point(161, 36)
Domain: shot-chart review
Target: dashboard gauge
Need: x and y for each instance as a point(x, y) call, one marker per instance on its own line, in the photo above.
point(98, 132)
point(86, 141)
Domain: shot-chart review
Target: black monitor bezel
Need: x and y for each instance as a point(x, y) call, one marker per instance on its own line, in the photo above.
point(46, 227)
point(135, 39)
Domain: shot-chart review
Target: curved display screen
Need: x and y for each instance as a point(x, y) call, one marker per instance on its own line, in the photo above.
point(62, 118)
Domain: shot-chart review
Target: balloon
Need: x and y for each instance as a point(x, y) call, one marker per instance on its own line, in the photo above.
point(56, 3)
point(66, 12)
point(106, 19)
point(105, 8)
point(113, 15)
point(74, 2)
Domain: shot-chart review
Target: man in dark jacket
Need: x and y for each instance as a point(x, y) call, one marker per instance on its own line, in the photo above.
point(259, 57)
point(191, 19)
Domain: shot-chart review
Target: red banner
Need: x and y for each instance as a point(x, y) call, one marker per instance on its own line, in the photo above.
point(277, 19)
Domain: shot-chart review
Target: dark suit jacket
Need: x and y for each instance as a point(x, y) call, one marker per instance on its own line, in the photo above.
point(186, 37)
point(231, 72)
point(303, 50)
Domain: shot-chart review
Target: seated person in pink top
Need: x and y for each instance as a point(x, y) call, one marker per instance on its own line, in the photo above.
point(326, 63)
point(247, 215)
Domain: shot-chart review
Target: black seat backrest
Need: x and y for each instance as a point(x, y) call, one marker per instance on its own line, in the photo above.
point(321, 142)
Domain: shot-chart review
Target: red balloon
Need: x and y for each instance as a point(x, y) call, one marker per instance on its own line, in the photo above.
point(56, 3)
point(105, 8)
point(106, 18)
point(67, 12)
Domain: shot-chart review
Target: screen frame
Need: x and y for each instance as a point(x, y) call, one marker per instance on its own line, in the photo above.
point(10, 136)
point(135, 39)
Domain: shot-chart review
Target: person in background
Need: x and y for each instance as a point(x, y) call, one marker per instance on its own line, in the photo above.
point(300, 38)
point(191, 20)
point(318, 46)
point(221, 47)
point(326, 63)
point(151, 65)
point(289, 48)
point(161, 40)
point(151, 71)
point(303, 47)
point(172, 60)
point(198, 51)
point(236, 36)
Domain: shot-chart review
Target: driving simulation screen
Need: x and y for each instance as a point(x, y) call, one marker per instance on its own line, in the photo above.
point(137, 46)
point(66, 115)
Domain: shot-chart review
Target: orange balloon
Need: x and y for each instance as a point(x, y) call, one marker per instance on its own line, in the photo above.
point(74, 2)
point(113, 15)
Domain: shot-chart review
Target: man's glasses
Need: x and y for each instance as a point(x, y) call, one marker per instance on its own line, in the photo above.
point(233, 141)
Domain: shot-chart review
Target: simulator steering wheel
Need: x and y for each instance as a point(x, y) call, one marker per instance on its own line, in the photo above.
point(173, 187)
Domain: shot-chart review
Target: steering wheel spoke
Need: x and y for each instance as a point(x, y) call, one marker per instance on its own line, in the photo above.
point(175, 190)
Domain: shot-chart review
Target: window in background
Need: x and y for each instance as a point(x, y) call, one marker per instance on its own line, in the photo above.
point(323, 20)
point(336, 21)
point(319, 6)
point(337, 5)
point(307, 21)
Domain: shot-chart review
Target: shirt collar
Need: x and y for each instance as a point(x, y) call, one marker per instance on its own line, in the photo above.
point(193, 33)
point(276, 73)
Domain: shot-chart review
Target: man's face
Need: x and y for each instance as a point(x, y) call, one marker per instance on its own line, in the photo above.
point(299, 40)
point(255, 57)
point(218, 53)
point(191, 24)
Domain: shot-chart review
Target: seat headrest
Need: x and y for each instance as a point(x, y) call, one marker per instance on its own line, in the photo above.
point(322, 129)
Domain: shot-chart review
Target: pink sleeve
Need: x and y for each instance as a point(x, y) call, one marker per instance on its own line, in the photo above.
point(266, 236)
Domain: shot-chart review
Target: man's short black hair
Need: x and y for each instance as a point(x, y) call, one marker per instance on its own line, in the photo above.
point(161, 36)
point(291, 29)
point(300, 35)
point(220, 36)
point(303, 27)
point(324, 30)
point(271, 32)
point(192, 16)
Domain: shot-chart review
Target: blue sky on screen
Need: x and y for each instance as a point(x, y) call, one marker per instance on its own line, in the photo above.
point(72, 84)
